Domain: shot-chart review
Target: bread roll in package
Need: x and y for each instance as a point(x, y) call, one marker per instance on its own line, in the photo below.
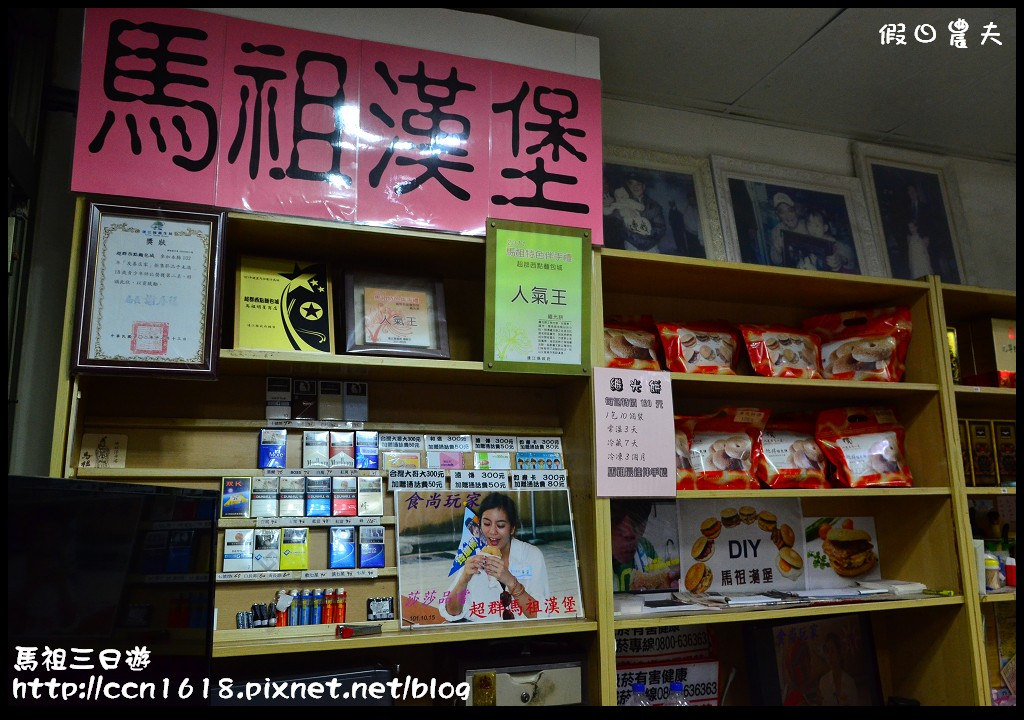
point(699, 347)
point(630, 346)
point(724, 450)
point(866, 444)
point(863, 344)
point(686, 476)
point(790, 456)
point(781, 351)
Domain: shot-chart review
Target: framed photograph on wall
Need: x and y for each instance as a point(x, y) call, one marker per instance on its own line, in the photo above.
point(660, 203)
point(916, 211)
point(786, 217)
point(149, 291)
point(828, 661)
point(395, 315)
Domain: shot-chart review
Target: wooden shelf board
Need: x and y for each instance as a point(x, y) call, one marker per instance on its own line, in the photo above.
point(272, 641)
point(1000, 597)
point(161, 423)
point(991, 491)
point(820, 493)
point(771, 613)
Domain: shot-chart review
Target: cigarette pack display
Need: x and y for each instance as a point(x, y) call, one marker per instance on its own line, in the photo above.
point(344, 497)
point(292, 497)
point(267, 549)
point(342, 452)
point(315, 448)
point(1004, 434)
point(492, 460)
point(238, 546)
point(371, 496)
point(304, 400)
point(329, 404)
point(264, 496)
point(356, 402)
point(180, 550)
point(235, 494)
point(295, 549)
point(279, 398)
point(983, 461)
point(371, 546)
point(318, 497)
point(273, 448)
point(367, 457)
point(445, 459)
point(343, 547)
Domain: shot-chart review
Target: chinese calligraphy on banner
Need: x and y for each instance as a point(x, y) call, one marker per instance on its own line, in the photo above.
point(195, 107)
point(635, 433)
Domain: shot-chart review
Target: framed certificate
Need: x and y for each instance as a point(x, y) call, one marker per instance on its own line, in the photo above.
point(395, 315)
point(149, 292)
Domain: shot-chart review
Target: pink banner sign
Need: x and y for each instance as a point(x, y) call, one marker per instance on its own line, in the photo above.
point(635, 433)
point(201, 108)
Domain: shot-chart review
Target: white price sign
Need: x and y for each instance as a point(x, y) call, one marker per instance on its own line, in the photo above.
point(479, 479)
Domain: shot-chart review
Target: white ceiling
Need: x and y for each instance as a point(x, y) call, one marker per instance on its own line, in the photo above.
point(819, 69)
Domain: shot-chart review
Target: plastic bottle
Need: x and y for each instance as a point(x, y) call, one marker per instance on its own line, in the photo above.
point(675, 695)
point(639, 696)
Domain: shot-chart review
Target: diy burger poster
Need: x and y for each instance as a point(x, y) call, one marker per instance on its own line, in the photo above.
point(741, 545)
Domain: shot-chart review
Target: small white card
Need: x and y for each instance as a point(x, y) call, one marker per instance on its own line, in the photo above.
point(103, 451)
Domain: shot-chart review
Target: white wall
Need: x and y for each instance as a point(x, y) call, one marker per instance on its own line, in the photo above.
point(988, 191)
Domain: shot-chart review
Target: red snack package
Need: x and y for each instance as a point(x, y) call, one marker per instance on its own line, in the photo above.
point(790, 456)
point(863, 344)
point(780, 351)
point(685, 475)
point(866, 446)
point(726, 447)
point(699, 347)
point(629, 346)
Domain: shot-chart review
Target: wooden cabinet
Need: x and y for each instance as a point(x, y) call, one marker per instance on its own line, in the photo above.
point(192, 433)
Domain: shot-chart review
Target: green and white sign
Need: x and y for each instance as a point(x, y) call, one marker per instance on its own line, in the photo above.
point(538, 298)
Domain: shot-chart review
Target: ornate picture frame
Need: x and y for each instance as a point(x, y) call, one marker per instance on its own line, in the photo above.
point(916, 211)
point(149, 296)
point(764, 207)
point(660, 203)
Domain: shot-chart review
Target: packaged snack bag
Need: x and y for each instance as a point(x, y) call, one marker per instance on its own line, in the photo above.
point(630, 346)
point(866, 446)
point(790, 456)
point(699, 347)
point(726, 447)
point(686, 477)
point(780, 351)
point(863, 344)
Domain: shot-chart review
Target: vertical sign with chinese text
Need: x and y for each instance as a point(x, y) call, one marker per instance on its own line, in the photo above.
point(635, 433)
point(538, 298)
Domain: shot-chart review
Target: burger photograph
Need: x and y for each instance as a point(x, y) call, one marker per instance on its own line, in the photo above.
point(841, 551)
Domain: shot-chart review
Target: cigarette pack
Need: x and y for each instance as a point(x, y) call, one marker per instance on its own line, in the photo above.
point(304, 400)
point(492, 460)
point(344, 497)
point(279, 398)
point(367, 457)
point(393, 459)
point(1004, 433)
point(267, 549)
point(445, 459)
point(295, 549)
point(273, 448)
point(180, 548)
point(343, 547)
point(264, 496)
point(342, 452)
point(318, 497)
point(371, 546)
point(292, 497)
point(983, 461)
point(366, 438)
point(314, 448)
point(235, 495)
point(539, 460)
point(329, 400)
point(238, 545)
point(371, 496)
point(356, 402)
